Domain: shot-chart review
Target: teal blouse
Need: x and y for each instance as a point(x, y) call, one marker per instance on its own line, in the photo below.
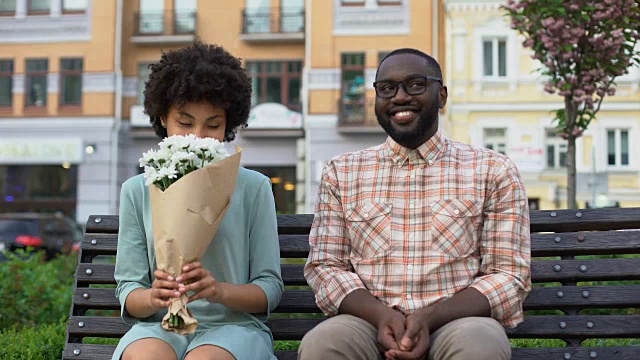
point(244, 251)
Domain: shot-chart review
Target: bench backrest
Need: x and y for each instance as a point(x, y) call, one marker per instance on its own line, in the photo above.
point(565, 281)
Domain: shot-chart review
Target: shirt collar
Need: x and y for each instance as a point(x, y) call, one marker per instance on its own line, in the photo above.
point(428, 152)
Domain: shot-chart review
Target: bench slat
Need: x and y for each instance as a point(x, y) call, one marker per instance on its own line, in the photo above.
point(571, 243)
point(541, 271)
point(588, 220)
point(104, 352)
point(303, 301)
point(586, 243)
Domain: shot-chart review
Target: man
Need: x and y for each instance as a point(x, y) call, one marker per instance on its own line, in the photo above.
point(420, 246)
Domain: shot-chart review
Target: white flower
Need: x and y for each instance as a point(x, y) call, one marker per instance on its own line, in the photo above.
point(168, 172)
point(150, 175)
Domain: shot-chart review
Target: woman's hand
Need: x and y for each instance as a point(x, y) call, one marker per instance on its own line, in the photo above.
point(164, 288)
point(201, 282)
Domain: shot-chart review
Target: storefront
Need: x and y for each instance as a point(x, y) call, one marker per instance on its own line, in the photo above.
point(50, 165)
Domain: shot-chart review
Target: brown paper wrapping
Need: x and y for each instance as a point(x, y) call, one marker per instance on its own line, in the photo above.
point(186, 217)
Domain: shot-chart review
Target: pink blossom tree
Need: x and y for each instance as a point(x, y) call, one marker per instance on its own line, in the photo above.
point(584, 45)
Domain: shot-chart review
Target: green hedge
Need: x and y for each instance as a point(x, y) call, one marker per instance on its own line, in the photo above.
point(44, 342)
point(34, 291)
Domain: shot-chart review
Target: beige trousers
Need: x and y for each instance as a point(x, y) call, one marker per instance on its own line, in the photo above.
point(350, 338)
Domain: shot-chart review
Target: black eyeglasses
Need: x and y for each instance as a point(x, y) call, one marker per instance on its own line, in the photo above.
point(414, 85)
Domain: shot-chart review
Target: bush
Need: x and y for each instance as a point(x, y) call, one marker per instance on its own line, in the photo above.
point(34, 291)
point(43, 342)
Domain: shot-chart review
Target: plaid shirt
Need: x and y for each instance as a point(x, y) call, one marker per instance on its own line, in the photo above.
point(415, 227)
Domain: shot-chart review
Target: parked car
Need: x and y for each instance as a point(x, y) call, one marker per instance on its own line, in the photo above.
point(53, 233)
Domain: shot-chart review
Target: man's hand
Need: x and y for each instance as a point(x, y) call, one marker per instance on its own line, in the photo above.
point(390, 329)
point(415, 343)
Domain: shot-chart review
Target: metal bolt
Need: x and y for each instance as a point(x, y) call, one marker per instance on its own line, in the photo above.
point(583, 268)
point(563, 324)
point(581, 238)
point(89, 272)
point(86, 295)
point(76, 352)
point(553, 214)
point(567, 356)
point(590, 324)
point(560, 294)
point(585, 294)
point(557, 239)
point(81, 324)
point(98, 220)
point(557, 268)
point(579, 215)
point(94, 241)
point(593, 355)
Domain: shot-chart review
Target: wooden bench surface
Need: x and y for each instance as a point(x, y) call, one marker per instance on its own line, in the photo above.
point(558, 237)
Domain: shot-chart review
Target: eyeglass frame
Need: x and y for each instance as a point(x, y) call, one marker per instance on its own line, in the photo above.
point(425, 78)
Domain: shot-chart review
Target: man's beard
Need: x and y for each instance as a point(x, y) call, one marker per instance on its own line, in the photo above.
point(427, 119)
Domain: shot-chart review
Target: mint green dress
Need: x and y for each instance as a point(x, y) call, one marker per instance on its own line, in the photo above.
point(244, 251)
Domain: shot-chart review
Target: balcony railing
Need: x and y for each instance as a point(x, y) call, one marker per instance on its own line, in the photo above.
point(273, 24)
point(356, 112)
point(165, 24)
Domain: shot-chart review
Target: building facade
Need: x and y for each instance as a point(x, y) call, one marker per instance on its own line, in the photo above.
point(345, 42)
point(58, 126)
point(497, 101)
point(269, 36)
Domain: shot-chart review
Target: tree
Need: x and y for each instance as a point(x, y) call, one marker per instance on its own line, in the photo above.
point(584, 45)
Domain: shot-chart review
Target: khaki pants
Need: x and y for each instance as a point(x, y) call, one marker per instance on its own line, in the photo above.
point(350, 338)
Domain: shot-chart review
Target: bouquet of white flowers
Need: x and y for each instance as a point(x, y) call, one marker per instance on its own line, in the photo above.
point(191, 181)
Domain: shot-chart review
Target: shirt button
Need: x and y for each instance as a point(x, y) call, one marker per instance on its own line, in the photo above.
point(409, 267)
point(366, 216)
point(411, 237)
point(456, 211)
point(430, 162)
point(413, 175)
point(409, 296)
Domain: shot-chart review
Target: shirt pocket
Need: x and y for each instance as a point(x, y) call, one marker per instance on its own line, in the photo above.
point(369, 227)
point(455, 226)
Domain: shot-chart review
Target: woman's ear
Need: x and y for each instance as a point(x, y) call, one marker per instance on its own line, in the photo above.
point(163, 121)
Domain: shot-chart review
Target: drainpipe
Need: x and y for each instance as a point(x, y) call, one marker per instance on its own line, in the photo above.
point(305, 106)
point(117, 124)
point(435, 43)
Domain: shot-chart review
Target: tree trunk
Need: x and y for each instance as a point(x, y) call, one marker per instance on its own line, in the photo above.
point(571, 172)
point(570, 113)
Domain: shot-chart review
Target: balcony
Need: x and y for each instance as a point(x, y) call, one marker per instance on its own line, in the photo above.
point(166, 28)
point(356, 114)
point(272, 25)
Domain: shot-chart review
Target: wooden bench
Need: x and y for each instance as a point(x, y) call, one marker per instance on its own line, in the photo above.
point(561, 238)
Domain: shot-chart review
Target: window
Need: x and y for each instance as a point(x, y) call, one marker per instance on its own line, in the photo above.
point(6, 83)
point(292, 16)
point(7, 7)
point(257, 16)
point(185, 13)
point(556, 150)
point(496, 139)
point(618, 147)
point(151, 18)
point(494, 55)
point(74, 6)
point(276, 82)
point(143, 77)
point(36, 78)
point(389, 2)
point(352, 2)
point(352, 107)
point(39, 6)
point(71, 81)
point(283, 185)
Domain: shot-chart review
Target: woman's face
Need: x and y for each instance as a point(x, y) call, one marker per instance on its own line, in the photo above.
point(200, 119)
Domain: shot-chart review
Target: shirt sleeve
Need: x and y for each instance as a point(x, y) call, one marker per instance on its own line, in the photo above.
point(132, 262)
point(265, 247)
point(506, 247)
point(328, 269)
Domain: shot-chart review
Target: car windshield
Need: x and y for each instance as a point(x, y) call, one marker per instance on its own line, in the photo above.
point(14, 227)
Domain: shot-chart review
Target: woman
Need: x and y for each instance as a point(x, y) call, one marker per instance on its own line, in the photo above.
point(201, 90)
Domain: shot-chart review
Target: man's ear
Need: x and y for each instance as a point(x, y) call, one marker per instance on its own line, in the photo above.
point(443, 94)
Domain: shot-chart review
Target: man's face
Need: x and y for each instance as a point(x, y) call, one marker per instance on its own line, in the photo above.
point(410, 120)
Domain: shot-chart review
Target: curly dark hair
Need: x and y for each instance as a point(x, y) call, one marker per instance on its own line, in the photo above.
point(200, 72)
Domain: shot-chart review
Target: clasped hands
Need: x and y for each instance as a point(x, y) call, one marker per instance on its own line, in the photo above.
point(404, 337)
point(194, 278)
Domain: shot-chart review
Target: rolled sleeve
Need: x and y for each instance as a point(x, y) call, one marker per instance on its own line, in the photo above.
point(265, 247)
point(328, 269)
point(506, 247)
point(132, 264)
